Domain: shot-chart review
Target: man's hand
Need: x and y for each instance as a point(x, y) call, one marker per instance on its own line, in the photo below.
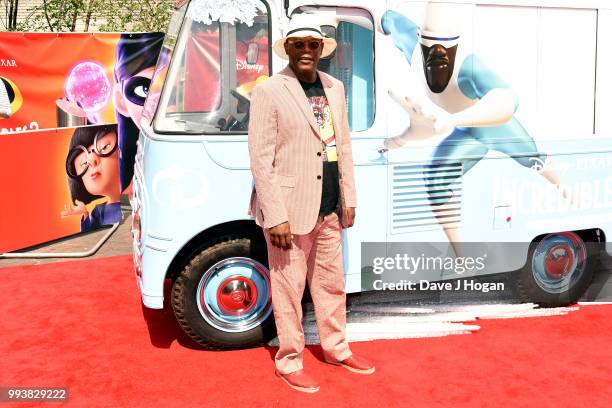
point(280, 236)
point(348, 217)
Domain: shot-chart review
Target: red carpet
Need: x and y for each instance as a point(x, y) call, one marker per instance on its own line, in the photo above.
point(81, 325)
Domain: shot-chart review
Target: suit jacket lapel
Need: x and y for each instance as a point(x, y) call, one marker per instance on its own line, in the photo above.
point(335, 101)
point(297, 93)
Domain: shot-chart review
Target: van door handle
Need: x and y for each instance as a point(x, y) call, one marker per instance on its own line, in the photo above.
point(381, 155)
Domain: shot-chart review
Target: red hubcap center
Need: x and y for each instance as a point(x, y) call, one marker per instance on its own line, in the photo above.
point(237, 295)
point(559, 261)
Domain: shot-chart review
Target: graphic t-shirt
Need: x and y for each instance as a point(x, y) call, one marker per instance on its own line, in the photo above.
point(322, 112)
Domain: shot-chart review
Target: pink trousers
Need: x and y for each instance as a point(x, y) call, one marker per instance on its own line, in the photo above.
point(317, 258)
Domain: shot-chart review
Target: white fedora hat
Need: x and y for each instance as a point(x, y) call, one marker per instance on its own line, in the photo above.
point(304, 25)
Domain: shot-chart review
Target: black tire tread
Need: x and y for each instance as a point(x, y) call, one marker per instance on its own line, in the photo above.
point(179, 289)
point(524, 285)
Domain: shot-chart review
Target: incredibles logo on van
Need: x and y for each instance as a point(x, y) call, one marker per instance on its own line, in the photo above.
point(14, 94)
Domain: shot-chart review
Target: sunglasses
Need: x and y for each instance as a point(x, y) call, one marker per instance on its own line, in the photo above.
point(300, 44)
point(136, 89)
point(79, 157)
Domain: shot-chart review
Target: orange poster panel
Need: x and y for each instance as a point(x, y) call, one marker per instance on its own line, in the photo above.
point(39, 203)
point(57, 80)
point(88, 91)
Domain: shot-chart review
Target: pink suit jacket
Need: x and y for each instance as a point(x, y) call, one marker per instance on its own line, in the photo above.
point(286, 152)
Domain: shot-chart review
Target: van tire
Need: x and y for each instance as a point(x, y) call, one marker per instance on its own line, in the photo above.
point(198, 279)
point(536, 285)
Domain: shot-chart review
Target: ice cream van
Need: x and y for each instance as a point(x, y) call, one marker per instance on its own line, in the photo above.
point(471, 121)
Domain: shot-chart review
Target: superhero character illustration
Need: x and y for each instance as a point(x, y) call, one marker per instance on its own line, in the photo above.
point(92, 166)
point(10, 98)
point(5, 103)
point(135, 59)
point(466, 104)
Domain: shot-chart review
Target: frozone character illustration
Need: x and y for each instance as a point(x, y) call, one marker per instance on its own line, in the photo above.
point(92, 166)
point(466, 104)
point(135, 59)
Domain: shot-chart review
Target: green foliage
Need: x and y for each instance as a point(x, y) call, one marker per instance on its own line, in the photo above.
point(139, 15)
point(105, 15)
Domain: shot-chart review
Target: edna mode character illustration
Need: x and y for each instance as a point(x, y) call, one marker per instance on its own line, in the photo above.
point(473, 108)
point(92, 166)
point(135, 59)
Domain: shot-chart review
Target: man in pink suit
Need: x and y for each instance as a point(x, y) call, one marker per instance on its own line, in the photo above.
point(304, 194)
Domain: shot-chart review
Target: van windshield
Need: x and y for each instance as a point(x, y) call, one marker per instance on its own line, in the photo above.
point(211, 71)
point(163, 62)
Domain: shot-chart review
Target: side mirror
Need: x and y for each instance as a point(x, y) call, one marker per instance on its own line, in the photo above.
point(329, 31)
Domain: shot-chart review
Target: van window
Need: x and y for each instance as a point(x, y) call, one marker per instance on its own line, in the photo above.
point(353, 64)
point(163, 62)
point(213, 70)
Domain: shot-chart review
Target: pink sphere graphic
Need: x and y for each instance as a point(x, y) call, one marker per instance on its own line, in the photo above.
point(89, 86)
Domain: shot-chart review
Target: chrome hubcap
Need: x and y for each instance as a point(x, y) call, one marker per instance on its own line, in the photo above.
point(559, 261)
point(234, 294)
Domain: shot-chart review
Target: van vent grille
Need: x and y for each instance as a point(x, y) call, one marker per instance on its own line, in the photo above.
point(426, 196)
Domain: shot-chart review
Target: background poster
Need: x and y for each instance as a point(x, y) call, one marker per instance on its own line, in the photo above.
point(35, 188)
point(51, 81)
point(38, 66)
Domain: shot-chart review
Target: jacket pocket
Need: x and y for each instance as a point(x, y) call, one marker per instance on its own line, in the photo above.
point(285, 181)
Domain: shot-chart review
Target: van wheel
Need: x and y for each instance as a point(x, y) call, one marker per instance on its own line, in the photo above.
point(558, 271)
point(222, 298)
